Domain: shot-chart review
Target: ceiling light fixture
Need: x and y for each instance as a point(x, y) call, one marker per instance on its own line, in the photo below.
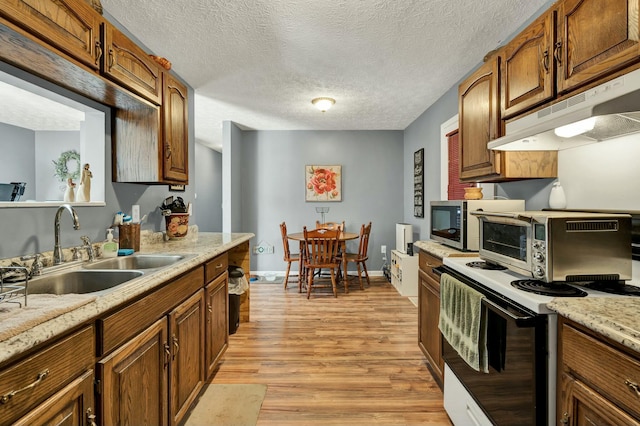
point(323, 104)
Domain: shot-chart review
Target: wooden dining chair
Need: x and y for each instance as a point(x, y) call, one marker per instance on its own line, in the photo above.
point(360, 258)
point(289, 258)
point(321, 252)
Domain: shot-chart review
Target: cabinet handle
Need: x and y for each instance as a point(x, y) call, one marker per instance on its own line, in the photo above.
point(41, 376)
point(219, 266)
point(557, 53)
point(98, 51)
point(633, 387)
point(565, 419)
point(209, 307)
point(111, 59)
point(91, 418)
point(167, 354)
point(545, 60)
point(167, 149)
point(175, 344)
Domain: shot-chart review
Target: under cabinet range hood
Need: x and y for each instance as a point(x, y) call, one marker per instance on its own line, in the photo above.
point(604, 112)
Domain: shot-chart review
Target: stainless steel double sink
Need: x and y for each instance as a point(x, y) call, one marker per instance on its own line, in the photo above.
point(101, 275)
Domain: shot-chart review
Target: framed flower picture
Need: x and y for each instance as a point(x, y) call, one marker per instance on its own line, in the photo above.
point(323, 183)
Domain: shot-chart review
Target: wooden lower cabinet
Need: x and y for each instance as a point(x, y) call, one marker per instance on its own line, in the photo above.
point(583, 406)
point(217, 322)
point(154, 378)
point(51, 383)
point(186, 325)
point(597, 379)
point(133, 381)
point(72, 406)
point(429, 336)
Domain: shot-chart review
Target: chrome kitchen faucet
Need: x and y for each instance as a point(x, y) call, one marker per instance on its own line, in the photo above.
point(58, 257)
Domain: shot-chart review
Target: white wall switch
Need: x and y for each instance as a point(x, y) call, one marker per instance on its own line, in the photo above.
point(383, 249)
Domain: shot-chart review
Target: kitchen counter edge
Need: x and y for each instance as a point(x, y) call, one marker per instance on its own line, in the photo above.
point(613, 317)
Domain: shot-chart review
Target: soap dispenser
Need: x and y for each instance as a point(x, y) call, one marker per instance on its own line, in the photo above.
point(110, 247)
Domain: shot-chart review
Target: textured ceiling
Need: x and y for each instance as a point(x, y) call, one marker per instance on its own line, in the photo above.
point(260, 62)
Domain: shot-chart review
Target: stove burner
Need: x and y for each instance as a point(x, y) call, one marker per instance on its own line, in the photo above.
point(548, 289)
point(613, 288)
point(486, 265)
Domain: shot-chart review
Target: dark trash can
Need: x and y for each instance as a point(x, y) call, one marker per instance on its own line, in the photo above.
point(234, 313)
point(237, 286)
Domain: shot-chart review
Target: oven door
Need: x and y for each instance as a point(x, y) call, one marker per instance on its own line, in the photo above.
point(505, 240)
point(513, 392)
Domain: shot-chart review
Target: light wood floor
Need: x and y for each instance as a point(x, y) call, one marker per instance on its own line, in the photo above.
point(353, 360)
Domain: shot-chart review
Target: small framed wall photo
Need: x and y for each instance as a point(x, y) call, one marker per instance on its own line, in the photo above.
point(418, 183)
point(323, 183)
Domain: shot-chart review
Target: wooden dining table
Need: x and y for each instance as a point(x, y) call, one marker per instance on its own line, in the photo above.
point(343, 237)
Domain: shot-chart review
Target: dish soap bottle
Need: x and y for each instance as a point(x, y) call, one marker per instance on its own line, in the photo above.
point(110, 247)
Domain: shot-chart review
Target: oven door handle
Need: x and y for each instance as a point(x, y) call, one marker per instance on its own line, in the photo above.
point(520, 320)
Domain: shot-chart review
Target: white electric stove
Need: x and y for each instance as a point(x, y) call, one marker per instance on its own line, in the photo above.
point(463, 405)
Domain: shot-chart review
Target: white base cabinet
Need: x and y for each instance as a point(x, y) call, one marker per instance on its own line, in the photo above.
point(404, 273)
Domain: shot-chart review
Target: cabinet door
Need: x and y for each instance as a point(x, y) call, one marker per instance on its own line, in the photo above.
point(176, 130)
point(429, 333)
point(217, 324)
point(595, 39)
point(582, 406)
point(126, 63)
point(528, 67)
point(69, 25)
point(186, 324)
point(133, 379)
point(479, 120)
point(72, 406)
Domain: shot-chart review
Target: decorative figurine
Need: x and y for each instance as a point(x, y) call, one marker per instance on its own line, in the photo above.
point(84, 190)
point(69, 193)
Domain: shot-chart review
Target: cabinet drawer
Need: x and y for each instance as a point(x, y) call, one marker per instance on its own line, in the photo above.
point(122, 325)
point(603, 367)
point(58, 364)
point(216, 266)
point(427, 262)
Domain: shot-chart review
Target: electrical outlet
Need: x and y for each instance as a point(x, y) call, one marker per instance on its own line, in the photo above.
point(135, 213)
point(383, 249)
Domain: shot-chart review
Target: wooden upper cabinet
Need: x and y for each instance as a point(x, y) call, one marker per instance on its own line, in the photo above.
point(595, 38)
point(126, 63)
point(528, 67)
point(175, 127)
point(69, 25)
point(479, 112)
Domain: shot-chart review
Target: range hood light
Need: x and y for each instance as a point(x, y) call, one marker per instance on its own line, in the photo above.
point(575, 129)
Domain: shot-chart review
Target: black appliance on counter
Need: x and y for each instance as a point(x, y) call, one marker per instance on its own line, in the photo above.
point(12, 191)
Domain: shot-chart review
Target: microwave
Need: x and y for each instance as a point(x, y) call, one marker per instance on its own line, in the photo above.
point(558, 245)
point(452, 225)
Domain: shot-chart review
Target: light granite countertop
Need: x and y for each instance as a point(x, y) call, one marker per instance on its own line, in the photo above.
point(441, 251)
point(613, 317)
point(199, 248)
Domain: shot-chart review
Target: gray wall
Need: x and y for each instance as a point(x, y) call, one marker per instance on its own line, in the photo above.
point(273, 191)
point(208, 187)
point(424, 132)
point(29, 230)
